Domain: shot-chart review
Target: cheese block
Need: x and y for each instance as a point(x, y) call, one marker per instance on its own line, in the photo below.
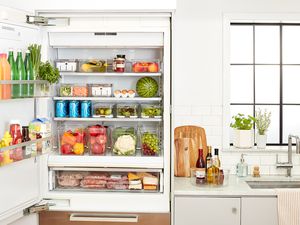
point(132, 176)
point(150, 187)
point(135, 186)
point(150, 181)
point(135, 182)
point(144, 174)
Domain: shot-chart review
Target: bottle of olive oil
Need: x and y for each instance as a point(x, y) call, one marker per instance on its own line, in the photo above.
point(209, 166)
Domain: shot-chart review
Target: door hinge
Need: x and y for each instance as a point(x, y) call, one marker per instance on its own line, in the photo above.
point(47, 21)
point(37, 208)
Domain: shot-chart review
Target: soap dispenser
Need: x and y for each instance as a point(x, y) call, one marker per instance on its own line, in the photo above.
point(242, 167)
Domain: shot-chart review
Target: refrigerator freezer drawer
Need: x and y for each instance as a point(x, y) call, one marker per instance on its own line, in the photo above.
point(75, 218)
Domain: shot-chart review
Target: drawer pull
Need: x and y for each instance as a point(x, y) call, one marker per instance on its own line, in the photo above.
point(122, 218)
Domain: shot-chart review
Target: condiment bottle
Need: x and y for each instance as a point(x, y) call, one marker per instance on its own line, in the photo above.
point(39, 145)
point(25, 138)
point(119, 64)
point(209, 167)
point(15, 131)
point(200, 172)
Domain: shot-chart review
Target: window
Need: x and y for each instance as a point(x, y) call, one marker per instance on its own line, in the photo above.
point(265, 73)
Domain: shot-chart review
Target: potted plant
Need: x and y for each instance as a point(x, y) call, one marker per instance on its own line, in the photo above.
point(243, 132)
point(49, 73)
point(262, 122)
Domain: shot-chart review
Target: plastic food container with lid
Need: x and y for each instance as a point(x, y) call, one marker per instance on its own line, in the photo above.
point(97, 139)
point(72, 140)
point(80, 90)
point(145, 66)
point(124, 141)
point(150, 144)
point(151, 111)
point(66, 65)
point(127, 110)
point(93, 66)
point(65, 90)
point(100, 90)
point(103, 110)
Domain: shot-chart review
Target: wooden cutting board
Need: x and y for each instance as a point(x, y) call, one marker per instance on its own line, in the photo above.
point(188, 139)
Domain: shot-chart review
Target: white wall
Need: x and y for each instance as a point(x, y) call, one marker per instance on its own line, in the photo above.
point(30, 5)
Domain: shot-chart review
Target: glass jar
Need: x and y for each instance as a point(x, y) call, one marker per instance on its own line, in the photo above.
point(119, 64)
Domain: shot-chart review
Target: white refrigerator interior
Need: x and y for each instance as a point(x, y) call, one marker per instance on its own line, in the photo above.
point(81, 36)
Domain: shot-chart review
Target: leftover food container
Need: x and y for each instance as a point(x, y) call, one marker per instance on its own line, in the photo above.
point(97, 139)
point(72, 141)
point(145, 66)
point(80, 90)
point(103, 110)
point(100, 90)
point(124, 141)
point(93, 66)
point(66, 65)
point(150, 142)
point(150, 111)
point(127, 111)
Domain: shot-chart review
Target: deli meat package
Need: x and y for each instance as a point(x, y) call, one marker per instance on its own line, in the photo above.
point(69, 179)
point(117, 182)
point(95, 180)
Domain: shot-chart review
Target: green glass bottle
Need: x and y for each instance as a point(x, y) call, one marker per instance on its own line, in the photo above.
point(29, 74)
point(14, 74)
point(21, 74)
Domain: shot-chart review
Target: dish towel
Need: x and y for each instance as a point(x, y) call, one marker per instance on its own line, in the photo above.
point(288, 206)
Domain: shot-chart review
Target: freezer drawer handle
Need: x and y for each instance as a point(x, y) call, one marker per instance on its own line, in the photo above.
point(104, 218)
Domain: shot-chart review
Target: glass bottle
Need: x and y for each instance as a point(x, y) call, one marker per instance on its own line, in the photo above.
point(209, 166)
point(14, 75)
point(216, 166)
point(5, 75)
point(217, 161)
point(201, 167)
point(21, 73)
point(200, 162)
point(29, 74)
point(25, 138)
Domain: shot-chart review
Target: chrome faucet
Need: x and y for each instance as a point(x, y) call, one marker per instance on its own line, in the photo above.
point(289, 164)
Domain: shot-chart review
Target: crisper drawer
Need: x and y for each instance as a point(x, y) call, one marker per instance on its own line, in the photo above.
point(74, 218)
point(104, 39)
point(64, 179)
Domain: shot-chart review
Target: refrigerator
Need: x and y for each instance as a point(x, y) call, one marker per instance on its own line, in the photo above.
point(32, 186)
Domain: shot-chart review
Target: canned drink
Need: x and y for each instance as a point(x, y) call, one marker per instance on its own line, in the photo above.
point(85, 109)
point(61, 109)
point(74, 109)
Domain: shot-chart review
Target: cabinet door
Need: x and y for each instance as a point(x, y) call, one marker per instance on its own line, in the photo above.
point(259, 211)
point(203, 211)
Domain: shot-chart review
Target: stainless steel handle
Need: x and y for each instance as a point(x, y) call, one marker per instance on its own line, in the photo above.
point(94, 217)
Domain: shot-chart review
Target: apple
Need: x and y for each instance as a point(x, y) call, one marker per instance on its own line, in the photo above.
point(79, 137)
point(66, 149)
point(101, 139)
point(153, 67)
point(98, 149)
point(92, 140)
point(140, 67)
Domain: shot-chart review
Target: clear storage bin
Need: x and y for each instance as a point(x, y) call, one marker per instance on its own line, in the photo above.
point(124, 141)
point(216, 180)
point(103, 110)
point(145, 66)
point(151, 111)
point(66, 65)
point(65, 90)
point(93, 66)
point(150, 142)
point(127, 110)
point(97, 138)
point(80, 90)
point(100, 90)
point(72, 140)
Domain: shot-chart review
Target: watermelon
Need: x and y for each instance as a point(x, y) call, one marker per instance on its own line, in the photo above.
point(147, 87)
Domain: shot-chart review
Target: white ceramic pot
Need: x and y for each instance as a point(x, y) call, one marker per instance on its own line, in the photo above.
point(261, 141)
point(243, 138)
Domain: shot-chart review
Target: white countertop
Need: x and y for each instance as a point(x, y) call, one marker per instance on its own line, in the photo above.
point(236, 187)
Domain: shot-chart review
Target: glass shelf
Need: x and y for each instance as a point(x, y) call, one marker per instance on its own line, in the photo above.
point(25, 150)
point(109, 119)
point(111, 99)
point(111, 74)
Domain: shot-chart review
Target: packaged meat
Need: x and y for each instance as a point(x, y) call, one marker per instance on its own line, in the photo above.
point(97, 175)
point(117, 186)
point(117, 178)
point(92, 182)
point(69, 179)
point(94, 186)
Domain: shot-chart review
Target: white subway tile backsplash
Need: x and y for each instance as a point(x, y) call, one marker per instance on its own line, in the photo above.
point(252, 159)
point(268, 160)
point(296, 170)
point(217, 110)
point(212, 120)
point(201, 110)
point(275, 171)
point(215, 141)
point(182, 110)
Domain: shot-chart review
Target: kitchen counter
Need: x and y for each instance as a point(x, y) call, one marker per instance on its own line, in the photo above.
point(236, 187)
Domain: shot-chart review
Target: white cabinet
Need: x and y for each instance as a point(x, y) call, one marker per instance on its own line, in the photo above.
point(259, 211)
point(202, 210)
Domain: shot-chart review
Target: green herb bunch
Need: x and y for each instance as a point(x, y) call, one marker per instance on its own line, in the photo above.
point(262, 121)
point(241, 122)
point(48, 72)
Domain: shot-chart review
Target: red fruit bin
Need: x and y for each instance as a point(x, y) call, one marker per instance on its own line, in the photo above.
point(72, 140)
point(97, 139)
point(145, 66)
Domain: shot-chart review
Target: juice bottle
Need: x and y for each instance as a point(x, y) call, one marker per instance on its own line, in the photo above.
point(15, 132)
point(5, 75)
point(21, 74)
point(14, 74)
point(29, 74)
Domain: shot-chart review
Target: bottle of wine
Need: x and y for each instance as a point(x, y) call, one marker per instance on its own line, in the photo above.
point(200, 162)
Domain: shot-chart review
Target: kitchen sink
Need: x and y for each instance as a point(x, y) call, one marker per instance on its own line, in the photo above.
point(273, 184)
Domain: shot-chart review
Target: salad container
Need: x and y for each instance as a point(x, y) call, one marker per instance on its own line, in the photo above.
point(66, 90)
point(151, 111)
point(127, 111)
point(97, 139)
point(124, 141)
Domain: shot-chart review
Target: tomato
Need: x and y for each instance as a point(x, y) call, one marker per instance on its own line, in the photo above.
point(98, 149)
point(66, 149)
